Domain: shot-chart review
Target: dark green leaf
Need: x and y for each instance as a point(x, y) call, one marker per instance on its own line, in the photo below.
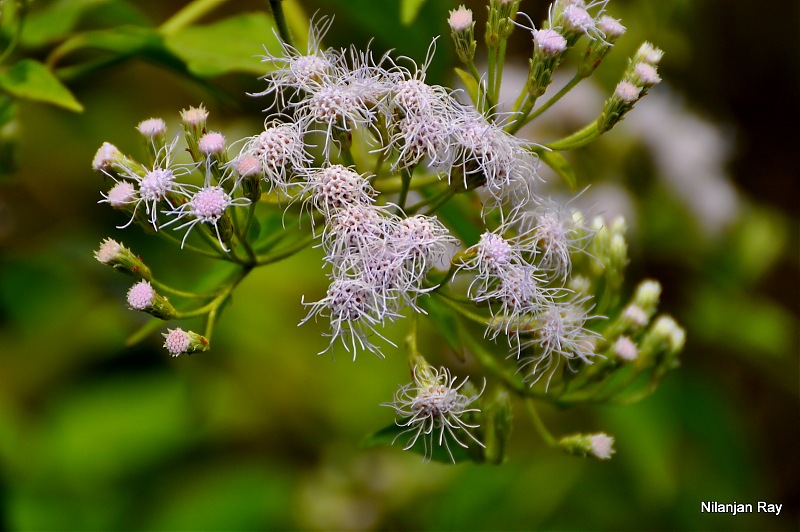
point(32, 80)
point(60, 18)
point(561, 166)
point(393, 433)
point(234, 44)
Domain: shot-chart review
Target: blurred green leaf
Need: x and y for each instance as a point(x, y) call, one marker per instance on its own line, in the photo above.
point(559, 164)
point(234, 44)
point(58, 19)
point(390, 433)
point(117, 427)
point(31, 80)
point(409, 9)
point(125, 40)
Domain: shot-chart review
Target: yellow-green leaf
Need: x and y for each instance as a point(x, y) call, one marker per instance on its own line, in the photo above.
point(469, 84)
point(32, 80)
point(409, 9)
point(234, 44)
point(561, 166)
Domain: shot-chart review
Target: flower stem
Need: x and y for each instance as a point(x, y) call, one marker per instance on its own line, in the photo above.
point(288, 251)
point(580, 138)
point(539, 424)
point(557, 96)
point(280, 21)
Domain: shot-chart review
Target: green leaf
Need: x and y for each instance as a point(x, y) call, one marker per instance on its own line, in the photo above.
point(409, 9)
point(560, 165)
point(234, 44)
point(469, 83)
point(31, 80)
point(393, 434)
point(60, 18)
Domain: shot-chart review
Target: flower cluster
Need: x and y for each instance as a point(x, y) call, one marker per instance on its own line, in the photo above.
point(422, 204)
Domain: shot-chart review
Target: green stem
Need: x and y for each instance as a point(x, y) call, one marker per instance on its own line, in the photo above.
point(169, 238)
point(149, 327)
point(395, 184)
point(20, 22)
point(214, 304)
point(472, 316)
point(557, 96)
point(498, 81)
point(188, 15)
point(285, 252)
point(180, 293)
point(489, 363)
point(522, 118)
point(280, 21)
point(442, 198)
point(539, 424)
point(578, 139)
point(411, 336)
point(405, 175)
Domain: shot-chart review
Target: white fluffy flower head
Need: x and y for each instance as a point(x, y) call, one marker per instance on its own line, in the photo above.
point(432, 407)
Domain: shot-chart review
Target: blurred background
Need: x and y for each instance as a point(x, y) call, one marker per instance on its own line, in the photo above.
point(260, 432)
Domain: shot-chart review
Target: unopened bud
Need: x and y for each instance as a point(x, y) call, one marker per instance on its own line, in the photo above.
point(462, 29)
point(180, 342)
point(599, 446)
point(122, 259)
point(144, 298)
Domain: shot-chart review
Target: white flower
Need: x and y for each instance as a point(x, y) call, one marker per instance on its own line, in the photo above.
point(354, 312)
point(297, 73)
point(280, 149)
point(560, 333)
point(558, 232)
point(335, 187)
point(601, 446)
point(432, 408)
point(206, 205)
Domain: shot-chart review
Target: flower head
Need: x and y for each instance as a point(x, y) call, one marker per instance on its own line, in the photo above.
point(561, 333)
point(335, 187)
point(106, 155)
point(212, 143)
point(152, 127)
point(433, 408)
point(460, 19)
point(280, 149)
point(141, 296)
point(354, 311)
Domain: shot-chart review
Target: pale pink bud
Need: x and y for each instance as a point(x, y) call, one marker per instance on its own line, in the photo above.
point(460, 19)
point(212, 143)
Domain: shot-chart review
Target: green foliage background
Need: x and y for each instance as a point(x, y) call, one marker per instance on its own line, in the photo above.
point(260, 433)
